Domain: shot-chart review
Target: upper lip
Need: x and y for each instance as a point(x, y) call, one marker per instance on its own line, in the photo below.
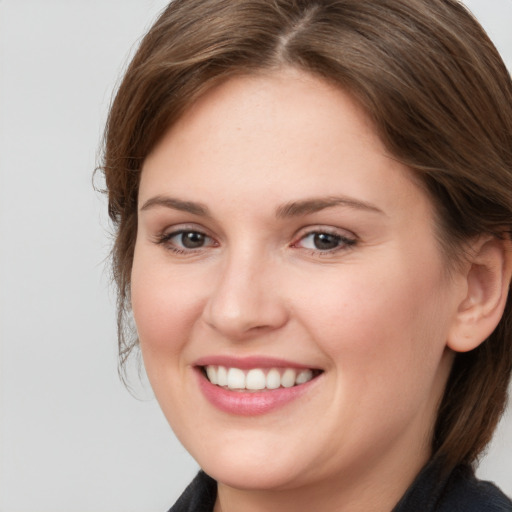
point(246, 363)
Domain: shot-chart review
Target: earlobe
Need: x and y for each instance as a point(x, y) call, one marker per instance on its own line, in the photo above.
point(487, 283)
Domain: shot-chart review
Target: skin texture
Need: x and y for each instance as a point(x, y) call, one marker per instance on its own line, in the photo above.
point(375, 314)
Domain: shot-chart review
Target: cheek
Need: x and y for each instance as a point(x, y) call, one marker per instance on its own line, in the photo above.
point(165, 305)
point(380, 325)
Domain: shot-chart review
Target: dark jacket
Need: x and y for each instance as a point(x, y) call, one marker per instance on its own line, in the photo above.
point(459, 492)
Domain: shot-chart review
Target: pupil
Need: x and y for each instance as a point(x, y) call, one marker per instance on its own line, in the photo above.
point(192, 240)
point(326, 241)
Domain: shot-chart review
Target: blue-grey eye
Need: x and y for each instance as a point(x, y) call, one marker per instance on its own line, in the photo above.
point(192, 239)
point(324, 241)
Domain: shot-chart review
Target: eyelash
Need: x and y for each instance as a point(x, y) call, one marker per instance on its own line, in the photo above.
point(343, 242)
point(165, 240)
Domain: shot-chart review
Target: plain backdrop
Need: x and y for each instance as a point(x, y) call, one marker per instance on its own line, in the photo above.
point(72, 439)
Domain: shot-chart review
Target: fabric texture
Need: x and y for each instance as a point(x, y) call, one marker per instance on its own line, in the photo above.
point(460, 491)
point(199, 496)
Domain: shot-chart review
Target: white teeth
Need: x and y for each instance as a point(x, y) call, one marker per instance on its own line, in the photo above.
point(273, 379)
point(257, 378)
point(288, 378)
point(304, 376)
point(236, 379)
point(211, 371)
point(222, 376)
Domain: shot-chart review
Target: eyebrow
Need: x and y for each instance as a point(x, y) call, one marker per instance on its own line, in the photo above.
point(176, 204)
point(308, 206)
point(291, 209)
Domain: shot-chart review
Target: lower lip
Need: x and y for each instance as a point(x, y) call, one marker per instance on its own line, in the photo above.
point(251, 403)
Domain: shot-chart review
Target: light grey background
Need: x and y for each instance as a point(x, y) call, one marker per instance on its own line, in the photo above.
point(71, 437)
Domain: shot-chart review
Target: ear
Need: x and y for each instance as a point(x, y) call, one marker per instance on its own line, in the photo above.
point(487, 276)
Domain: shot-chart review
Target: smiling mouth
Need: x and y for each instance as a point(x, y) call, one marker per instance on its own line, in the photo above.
point(257, 379)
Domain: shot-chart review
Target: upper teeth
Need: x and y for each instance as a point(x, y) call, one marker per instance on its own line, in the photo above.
point(257, 378)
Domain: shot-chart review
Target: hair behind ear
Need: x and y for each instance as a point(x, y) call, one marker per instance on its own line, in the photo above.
point(476, 393)
point(475, 398)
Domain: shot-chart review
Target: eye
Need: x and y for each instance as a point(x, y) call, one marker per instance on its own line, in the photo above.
point(324, 241)
point(186, 240)
point(191, 239)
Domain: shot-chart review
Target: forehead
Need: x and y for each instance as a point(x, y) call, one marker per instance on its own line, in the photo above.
point(280, 136)
point(240, 119)
point(287, 99)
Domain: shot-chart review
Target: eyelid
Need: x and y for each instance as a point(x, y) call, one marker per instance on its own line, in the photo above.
point(165, 236)
point(347, 238)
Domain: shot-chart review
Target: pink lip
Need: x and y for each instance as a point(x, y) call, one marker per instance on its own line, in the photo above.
point(251, 403)
point(246, 363)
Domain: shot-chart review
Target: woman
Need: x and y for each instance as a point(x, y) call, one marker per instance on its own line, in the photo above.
point(313, 202)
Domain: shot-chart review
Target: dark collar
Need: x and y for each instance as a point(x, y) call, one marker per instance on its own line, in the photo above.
point(459, 491)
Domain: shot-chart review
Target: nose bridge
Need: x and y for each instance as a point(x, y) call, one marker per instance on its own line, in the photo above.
point(245, 299)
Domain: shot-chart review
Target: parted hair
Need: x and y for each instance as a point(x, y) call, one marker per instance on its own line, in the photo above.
point(428, 77)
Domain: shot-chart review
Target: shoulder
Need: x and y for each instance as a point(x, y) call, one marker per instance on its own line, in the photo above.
point(459, 491)
point(465, 492)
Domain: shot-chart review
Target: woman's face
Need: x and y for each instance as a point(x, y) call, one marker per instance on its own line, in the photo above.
point(280, 248)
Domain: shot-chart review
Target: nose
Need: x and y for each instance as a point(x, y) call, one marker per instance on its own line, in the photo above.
point(245, 300)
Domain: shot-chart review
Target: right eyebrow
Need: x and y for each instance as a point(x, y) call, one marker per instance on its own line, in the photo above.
point(309, 206)
point(176, 204)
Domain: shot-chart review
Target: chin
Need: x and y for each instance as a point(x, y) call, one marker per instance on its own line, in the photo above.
point(251, 465)
point(251, 476)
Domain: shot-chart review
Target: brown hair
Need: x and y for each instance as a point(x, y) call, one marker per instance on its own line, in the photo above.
point(424, 71)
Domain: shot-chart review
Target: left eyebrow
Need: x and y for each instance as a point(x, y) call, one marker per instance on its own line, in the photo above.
point(313, 205)
point(176, 204)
